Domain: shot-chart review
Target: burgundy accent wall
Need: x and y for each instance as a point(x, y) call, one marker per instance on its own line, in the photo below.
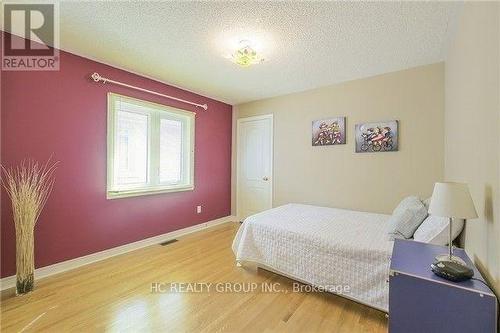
point(63, 114)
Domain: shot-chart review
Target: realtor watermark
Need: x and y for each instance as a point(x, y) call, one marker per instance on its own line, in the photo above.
point(32, 41)
point(243, 287)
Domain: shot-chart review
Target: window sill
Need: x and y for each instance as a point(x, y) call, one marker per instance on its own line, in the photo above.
point(147, 191)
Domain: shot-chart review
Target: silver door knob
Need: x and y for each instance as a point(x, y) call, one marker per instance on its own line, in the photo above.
point(265, 178)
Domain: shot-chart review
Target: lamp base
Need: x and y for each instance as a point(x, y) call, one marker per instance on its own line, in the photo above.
point(446, 257)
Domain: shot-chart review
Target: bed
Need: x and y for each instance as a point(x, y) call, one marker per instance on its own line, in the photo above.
point(333, 249)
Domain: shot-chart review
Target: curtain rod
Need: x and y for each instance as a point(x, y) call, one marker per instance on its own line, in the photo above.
point(98, 78)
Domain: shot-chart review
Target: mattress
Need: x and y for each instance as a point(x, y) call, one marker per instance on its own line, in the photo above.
point(341, 251)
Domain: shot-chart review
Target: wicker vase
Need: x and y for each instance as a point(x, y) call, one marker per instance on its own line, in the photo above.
point(25, 264)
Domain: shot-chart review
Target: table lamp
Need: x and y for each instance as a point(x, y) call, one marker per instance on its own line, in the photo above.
point(452, 200)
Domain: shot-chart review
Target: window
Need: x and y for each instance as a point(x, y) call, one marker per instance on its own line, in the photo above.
point(150, 148)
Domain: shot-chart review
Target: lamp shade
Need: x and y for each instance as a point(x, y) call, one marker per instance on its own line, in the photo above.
point(452, 200)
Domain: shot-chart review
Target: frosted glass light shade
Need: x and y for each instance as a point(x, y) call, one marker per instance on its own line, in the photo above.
point(452, 200)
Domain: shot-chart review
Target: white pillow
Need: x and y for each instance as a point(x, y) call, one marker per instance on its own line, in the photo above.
point(406, 218)
point(435, 229)
point(427, 203)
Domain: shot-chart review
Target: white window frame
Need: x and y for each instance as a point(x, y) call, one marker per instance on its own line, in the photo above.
point(156, 112)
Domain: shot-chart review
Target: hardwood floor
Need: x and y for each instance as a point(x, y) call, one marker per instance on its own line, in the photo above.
point(115, 295)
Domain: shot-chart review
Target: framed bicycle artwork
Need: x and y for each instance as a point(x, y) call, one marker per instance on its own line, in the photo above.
point(327, 132)
point(377, 137)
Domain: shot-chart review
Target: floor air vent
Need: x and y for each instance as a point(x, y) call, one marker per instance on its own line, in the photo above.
point(169, 242)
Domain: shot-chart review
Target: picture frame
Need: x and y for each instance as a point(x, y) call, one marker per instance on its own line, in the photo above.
point(329, 131)
point(377, 137)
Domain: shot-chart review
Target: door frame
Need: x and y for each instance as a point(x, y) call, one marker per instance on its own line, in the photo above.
point(238, 156)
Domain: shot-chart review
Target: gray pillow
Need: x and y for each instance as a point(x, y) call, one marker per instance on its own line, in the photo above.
point(406, 218)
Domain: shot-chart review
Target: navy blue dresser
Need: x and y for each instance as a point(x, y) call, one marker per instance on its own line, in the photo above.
point(420, 301)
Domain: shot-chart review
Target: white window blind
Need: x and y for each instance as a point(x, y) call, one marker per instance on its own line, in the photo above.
point(131, 148)
point(170, 151)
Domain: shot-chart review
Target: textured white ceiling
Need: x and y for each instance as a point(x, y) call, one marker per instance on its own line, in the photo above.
point(306, 44)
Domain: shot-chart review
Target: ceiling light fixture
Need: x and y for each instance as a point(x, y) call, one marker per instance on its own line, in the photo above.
point(245, 55)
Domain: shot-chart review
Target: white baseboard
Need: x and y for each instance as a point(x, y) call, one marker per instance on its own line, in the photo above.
point(43, 272)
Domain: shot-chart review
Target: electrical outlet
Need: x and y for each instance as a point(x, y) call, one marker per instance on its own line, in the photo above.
point(198, 209)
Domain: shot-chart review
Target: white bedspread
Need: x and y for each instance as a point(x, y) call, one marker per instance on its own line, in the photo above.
point(324, 247)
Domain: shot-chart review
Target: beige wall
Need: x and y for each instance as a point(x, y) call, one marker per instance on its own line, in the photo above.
point(472, 126)
point(336, 176)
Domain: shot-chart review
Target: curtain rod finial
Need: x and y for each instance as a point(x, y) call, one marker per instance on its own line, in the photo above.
point(96, 77)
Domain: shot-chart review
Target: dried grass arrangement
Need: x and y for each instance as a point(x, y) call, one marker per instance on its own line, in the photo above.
point(28, 185)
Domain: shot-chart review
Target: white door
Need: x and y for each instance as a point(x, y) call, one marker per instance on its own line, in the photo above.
point(255, 165)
